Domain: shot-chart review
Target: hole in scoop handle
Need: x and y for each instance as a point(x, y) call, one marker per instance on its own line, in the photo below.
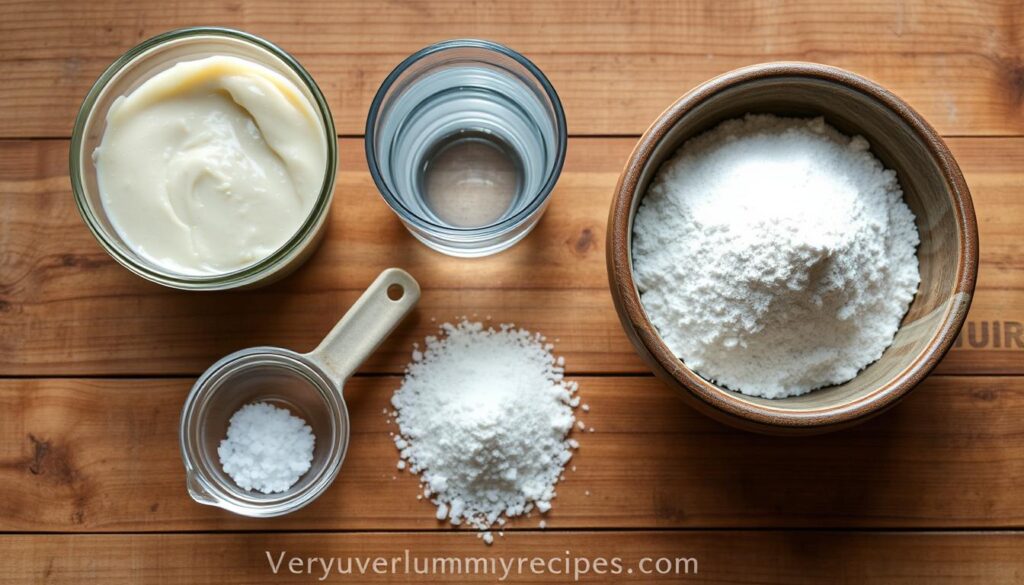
point(368, 323)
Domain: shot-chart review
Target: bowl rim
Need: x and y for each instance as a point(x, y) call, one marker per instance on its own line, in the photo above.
point(716, 401)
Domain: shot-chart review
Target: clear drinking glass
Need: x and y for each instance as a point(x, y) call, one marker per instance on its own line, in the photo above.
point(132, 70)
point(465, 140)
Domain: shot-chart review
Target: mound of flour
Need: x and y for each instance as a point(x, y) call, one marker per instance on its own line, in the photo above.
point(484, 416)
point(775, 255)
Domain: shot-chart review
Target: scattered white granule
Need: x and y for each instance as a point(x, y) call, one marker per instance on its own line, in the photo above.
point(775, 255)
point(267, 448)
point(484, 416)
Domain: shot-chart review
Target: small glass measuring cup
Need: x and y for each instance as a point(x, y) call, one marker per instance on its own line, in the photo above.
point(309, 385)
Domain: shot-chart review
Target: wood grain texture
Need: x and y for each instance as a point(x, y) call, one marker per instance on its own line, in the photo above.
point(616, 64)
point(95, 461)
point(102, 455)
point(734, 557)
point(66, 308)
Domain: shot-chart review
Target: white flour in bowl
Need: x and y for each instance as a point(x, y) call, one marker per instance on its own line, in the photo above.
point(484, 416)
point(775, 255)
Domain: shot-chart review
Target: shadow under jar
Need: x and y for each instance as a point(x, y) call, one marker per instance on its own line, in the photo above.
point(465, 140)
point(933, 187)
point(133, 69)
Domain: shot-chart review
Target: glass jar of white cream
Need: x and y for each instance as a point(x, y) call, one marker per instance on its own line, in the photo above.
point(204, 159)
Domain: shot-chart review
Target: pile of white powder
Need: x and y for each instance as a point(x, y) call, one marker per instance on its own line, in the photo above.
point(267, 448)
point(775, 255)
point(484, 416)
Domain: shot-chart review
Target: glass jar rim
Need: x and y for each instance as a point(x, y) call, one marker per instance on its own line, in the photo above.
point(236, 278)
point(502, 225)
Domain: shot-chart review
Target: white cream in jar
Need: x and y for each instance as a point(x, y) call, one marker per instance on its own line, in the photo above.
point(211, 165)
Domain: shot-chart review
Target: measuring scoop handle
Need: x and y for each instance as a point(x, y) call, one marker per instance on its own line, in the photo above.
point(368, 323)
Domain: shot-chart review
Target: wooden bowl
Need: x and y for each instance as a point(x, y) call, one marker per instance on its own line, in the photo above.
point(932, 185)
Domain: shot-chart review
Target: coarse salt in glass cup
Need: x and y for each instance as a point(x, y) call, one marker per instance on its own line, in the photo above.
point(465, 140)
point(133, 69)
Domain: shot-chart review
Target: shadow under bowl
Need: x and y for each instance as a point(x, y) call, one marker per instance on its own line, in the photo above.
point(933, 188)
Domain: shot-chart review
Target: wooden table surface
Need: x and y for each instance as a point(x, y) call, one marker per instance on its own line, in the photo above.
point(95, 363)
